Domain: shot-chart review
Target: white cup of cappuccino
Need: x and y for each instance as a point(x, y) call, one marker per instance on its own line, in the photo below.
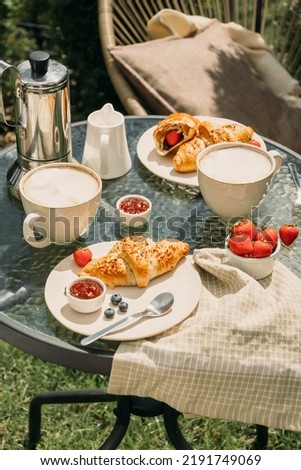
point(234, 177)
point(61, 201)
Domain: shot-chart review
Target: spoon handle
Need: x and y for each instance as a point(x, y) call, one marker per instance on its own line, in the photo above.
point(111, 327)
point(294, 174)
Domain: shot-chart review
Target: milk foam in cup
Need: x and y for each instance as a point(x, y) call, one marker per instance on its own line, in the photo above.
point(60, 187)
point(226, 165)
point(61, 201)
point(234, 177)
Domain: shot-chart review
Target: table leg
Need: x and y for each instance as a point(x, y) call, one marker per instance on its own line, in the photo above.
point(180, 443)
point(123, 414)
point(262, 437)
point(60, 397)
point(174, 433)
point(147, 407)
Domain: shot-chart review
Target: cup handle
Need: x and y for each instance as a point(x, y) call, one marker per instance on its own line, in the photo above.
point(104, 146)
point(29, 232)
point(278, 160)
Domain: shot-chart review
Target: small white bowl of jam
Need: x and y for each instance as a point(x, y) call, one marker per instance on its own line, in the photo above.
point(86, 294)
point(134, 210)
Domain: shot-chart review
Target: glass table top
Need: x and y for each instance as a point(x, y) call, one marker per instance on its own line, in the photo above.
point(178, 211)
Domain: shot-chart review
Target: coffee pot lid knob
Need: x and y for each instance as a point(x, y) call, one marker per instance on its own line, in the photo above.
point(39, 61)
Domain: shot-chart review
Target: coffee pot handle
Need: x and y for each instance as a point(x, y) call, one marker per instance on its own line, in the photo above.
point(12, 71)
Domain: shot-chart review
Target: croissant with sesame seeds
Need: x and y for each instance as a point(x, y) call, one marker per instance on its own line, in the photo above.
point(135, 261)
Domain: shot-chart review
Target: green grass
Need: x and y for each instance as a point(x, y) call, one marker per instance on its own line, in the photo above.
point(85, 426)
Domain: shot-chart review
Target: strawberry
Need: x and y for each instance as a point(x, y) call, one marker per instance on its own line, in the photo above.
point(268, 234)
point(261, 249)
point(82, 256)
point(241, 244)
point(254, 142)
point(288, 233)
point(172, 138)
point(245, 226)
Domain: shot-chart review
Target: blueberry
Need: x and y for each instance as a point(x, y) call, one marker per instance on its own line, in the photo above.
point(123, 306)
point(109, 312)
point(116, 299)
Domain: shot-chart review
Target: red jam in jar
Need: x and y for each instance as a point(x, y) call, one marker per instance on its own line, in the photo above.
point(86, 289)
point(134, 205)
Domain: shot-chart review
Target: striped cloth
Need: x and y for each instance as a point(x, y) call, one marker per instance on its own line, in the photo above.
point(237, 357)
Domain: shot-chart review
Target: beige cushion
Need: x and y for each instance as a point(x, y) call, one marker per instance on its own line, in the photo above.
point(207, 74)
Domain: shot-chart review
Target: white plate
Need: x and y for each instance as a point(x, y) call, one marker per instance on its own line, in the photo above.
point(183, 282)
point(162, 166)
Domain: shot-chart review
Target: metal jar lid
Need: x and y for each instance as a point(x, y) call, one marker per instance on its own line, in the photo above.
point(40, 74)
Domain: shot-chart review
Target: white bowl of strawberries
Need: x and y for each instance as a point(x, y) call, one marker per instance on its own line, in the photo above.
point(254, 250)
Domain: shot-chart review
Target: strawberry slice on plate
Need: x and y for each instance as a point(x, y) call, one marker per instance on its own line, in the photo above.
point(254, 142)
point(82, 256)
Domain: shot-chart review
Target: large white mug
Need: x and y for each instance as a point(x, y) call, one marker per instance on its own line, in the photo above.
point(61, 201)
point(106, 149)
point(234, 177)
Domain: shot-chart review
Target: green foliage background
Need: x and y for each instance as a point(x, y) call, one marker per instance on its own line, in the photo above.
point(68, 30)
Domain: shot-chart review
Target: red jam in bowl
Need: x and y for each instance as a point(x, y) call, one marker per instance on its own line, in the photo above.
point(134, 205)
point(86, 289)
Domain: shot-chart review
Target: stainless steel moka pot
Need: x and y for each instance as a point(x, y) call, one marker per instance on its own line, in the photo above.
point(40, 88)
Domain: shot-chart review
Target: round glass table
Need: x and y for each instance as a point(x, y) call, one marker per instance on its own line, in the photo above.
point(178, 211)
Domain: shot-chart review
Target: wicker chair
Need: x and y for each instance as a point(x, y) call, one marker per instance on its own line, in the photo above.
point(123, 22)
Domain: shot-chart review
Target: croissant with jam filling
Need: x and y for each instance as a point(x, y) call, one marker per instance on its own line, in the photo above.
point(173, 131)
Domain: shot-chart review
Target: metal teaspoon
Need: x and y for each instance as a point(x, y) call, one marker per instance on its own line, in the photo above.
point(159, 306)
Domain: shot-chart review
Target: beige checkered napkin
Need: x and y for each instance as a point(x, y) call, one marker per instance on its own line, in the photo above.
point(238, 356)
